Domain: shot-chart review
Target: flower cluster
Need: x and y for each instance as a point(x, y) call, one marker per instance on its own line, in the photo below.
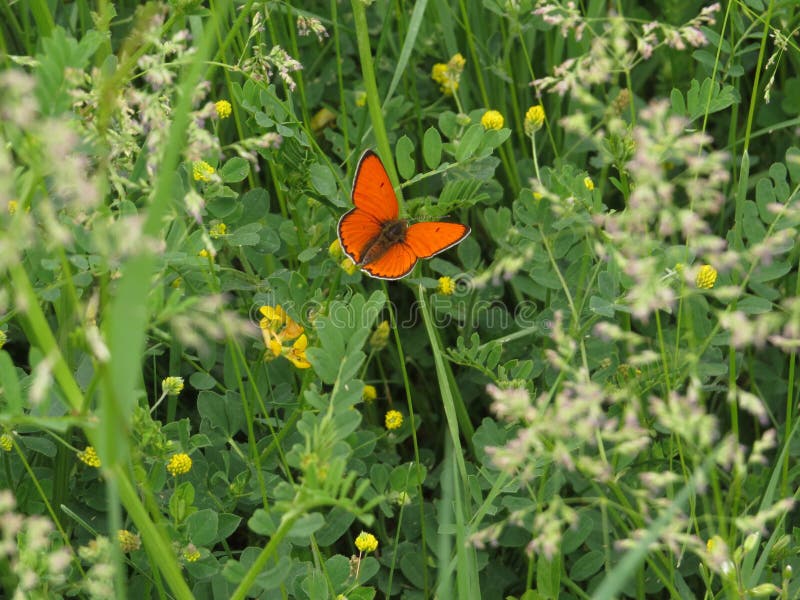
point(89, 456)
point(366, 542)
point(446, 286)
point(706, 277)
point(128, 541)
point(262, 63)
point(172, 386)
point(394, 420)
point(179, 464)
point(308, 25)
point(278, 327)
point(534, 119)
point(223, 108)
point(218, 230)
point(380, 337)
point(448, 74)
point(202, 171)
point(492, 119)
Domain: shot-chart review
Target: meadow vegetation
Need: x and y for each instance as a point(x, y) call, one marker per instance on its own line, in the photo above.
point(594, 395)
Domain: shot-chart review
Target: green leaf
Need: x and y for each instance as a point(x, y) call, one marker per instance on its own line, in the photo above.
point(404, 155)
point(202, 381)
point(601, 306)
point(225, 413)
point(362, 593)
point(9, 389)
point(181, 502)
point(575, 536)
point(305, 526)
point(338, 568)
point(469, 142)
point(432, 148)
point(587, 565)
point(548, 576)
point(234, 170)
point(316, 586)
point(227, 524)
point(247, 235)
point(308, 254)
point(709, 98)
point(201, 527)
point(262, 523)
point(336, 524)
point(41, 445)
point(323, 180)
point(754, 305)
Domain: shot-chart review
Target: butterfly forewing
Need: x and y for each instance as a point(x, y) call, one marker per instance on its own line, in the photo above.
point(372, 190)
point(431, 237)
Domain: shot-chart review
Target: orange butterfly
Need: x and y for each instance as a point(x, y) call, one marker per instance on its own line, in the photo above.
point(375, 237)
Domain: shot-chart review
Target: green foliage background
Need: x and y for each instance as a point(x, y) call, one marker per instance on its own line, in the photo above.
point(605, 406)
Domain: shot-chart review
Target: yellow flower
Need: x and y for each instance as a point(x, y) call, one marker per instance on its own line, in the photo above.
point(587, 181)
point(279, 322)
point(6, 442)
point(348, 266)
point(177, 282)
point(128, 542)
point(366, 542)
point(202, 171)
point(335, 250)
point(203, 253)
point(223, 109)
point(534, 119)
point(13, 205)
point(492, 119)
point(278, 327)
point(446, 286)
point(179, 464)
point(537, 195)
point(297, 353)
point(3, 338)
point(89, 457)
point(380, 337)
point(706, 277)
point(369, 394)
point(448, 75)
point(394, 419)
point(191, 553)
point(218, 230)
point(361, 98)
point(172, 386)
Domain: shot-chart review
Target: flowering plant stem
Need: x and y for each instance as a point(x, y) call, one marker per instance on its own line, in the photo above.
point(371, 86)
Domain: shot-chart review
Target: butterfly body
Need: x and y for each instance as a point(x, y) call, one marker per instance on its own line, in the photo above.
point(375, 237)
point(392, 232)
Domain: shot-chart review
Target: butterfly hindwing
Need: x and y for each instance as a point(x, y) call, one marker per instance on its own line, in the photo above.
point(372, 190)
point(428, 238)
point(398, 261)
point(357, 229)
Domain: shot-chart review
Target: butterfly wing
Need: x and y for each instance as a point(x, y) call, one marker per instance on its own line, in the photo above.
point(372, 190)
point(431, 237)
point(396, 262)
point(356, 230)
